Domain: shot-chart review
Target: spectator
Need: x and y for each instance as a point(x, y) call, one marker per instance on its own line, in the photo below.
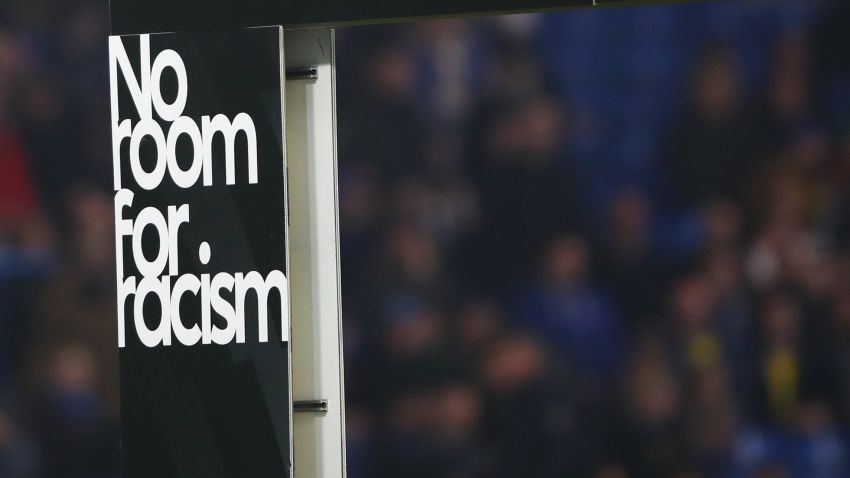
point(76, 436)
point(628, 265)
point(527, 412)
point(571, 312)
point(18, 459)
point(712, 147)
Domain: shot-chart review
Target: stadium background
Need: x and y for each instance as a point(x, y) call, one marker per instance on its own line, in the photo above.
point(608, 243)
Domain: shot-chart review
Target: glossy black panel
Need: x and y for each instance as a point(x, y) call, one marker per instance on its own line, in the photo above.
point(206, 409)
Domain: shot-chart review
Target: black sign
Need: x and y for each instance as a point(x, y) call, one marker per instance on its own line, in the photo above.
point(144, 16)
point(200, 215)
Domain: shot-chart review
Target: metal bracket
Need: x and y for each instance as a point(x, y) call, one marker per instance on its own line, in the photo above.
point(302, 73)
point(310, 406)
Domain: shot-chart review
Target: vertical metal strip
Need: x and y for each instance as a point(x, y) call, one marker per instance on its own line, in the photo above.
point(314, 245)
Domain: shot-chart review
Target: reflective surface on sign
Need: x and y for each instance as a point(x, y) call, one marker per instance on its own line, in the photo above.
point(216, 401)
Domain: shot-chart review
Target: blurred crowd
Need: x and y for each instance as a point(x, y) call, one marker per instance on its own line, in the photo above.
point(610, 243)
point(600, 243)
